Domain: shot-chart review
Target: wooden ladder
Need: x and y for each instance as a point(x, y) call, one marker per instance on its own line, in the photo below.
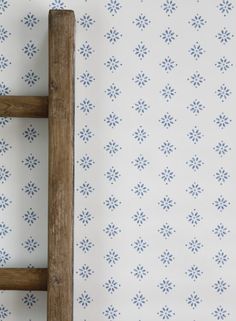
point(57, 279)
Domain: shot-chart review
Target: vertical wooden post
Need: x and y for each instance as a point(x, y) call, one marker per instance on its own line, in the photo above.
point(61, 133)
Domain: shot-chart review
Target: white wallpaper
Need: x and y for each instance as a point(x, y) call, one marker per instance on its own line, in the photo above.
point(154, 158)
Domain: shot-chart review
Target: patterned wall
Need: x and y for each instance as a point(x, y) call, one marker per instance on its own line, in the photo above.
point(154, 158)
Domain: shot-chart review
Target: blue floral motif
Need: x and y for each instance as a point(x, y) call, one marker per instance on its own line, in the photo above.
point(30, 49)
point(31, 162)
point(141, 22)
point(111, 313)
point(166, 203)
point(224, 36)
point(4, 34)
point(29, 300)
point(194, 272)
point(169, 6)
point(30, 244)
point(85, 134)
point(57, 5)
point(196, 51)
point(30, 189)
point(225, 7)
point(86, 162)
point(196, 79)
point(4, 62)
point(86, 21)
point(140, 189)
point(222, 176)
point(139, 300)
point(141, 106)
point(220, 286)
point(111, 285)
point(85, 272)
point(112, 120)
point(4, 174)
point(112, 175)
point(85, 217)
point(194, 217)
point(167, 175)
point(86, 50)
point(4, 4)
point(166, 313)
point(194, 245)
point(197, 22)
point(84, 300)
point(111, 230)
point(140, 135)
point(113, 6)
point(221, 203)
point(4, 202)
point(86, 79)
point(112, 147)
point(168, 36)
point(30, 133)
point(196, 107)
point(113, 36)
point(113, 92)
point(139, 272)
point(222, 148)
point(223, 92)
point(221, 258)
point(195, 135)
point(220, 313)
point(30, 216)
point(167, 120)
point(4, 229)
point(168, 92)
point(139, 245)
point(141, 50)
point(30, 20)
point(85, 245)
point(140, 217)
point(86, 106)
point(166, 230)
point(30, 78)
point(166, 286)
point(193, 300)
point(166, 258)
point(141, 79)
point(167, 148)
point(112, 203)
point(220, 231)
point(222, 121)
point(195, 163)
point(194, 190)
point(168, 64)
point(4, 257)
point(86, 189)
point(140, 162)
point(223, 64)
point(4, 312)
point(113, 64)
point(112, 257)
point(4, 89)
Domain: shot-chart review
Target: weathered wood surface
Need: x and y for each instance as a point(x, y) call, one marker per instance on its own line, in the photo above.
point(24, 106)
point(23, 279)
point(61, 133)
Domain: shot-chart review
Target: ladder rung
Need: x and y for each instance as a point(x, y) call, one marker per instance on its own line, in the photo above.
point(24, 106)
point(23, 279)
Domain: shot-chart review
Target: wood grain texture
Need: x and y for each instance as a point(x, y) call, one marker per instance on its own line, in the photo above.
point(23, 279)
point(61, 180)
point(24, 106)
